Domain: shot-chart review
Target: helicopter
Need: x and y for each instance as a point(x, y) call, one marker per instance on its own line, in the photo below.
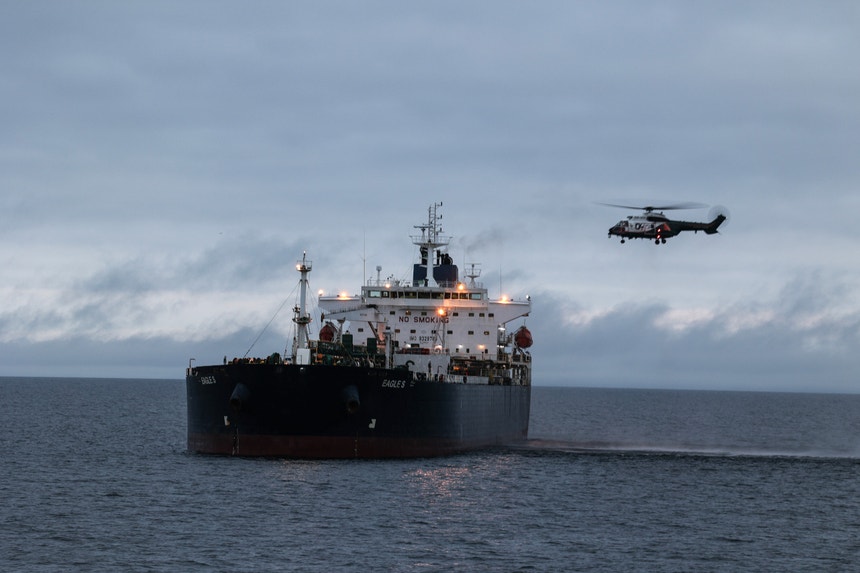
point(657, 227)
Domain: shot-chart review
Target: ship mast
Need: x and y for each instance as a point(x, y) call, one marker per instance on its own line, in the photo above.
point(302, 318)
point(431, 238)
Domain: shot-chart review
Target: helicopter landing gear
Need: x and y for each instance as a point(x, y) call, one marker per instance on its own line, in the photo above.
point(659, 241)
point(622, 241)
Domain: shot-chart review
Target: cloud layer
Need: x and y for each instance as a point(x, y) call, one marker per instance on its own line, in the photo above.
point(163, 165)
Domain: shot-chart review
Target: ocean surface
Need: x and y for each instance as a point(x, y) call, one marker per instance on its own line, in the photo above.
point(94, 477)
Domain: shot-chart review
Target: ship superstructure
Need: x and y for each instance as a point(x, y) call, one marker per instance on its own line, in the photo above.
point(437, 326)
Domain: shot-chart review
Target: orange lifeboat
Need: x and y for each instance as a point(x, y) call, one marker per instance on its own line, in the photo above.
point(523, 337)
point(328, 332)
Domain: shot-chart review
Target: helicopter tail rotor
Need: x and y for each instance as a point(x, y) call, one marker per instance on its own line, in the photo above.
point(719, 212)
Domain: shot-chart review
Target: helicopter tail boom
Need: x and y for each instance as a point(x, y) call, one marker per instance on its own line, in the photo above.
point(708, 228)
point(714, 225)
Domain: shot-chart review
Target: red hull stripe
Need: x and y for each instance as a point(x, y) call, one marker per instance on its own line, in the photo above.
point(328, 447)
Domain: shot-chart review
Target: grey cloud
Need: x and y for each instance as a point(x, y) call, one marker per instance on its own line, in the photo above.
point(237, 263)
point(135, 133)
point(627, 348)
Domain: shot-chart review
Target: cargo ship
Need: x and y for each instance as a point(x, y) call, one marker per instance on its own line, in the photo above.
point(407, 368)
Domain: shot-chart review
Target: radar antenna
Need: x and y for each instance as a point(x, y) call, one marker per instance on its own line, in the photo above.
point(473, 273)
point(431, 232)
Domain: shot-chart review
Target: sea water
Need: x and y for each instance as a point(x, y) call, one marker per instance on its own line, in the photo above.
point(94, 476)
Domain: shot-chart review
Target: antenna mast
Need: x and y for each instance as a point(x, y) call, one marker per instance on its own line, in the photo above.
point(431, 238)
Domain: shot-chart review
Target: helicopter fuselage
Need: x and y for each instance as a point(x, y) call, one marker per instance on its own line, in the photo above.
point(657, 227)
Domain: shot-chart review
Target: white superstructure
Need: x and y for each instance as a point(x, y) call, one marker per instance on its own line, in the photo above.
point(438, 326)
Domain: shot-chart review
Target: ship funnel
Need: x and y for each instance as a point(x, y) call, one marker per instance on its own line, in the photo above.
point(240, 398)
point(349, 395)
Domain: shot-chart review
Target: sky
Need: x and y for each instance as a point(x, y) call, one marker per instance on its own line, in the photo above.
point(163, 165)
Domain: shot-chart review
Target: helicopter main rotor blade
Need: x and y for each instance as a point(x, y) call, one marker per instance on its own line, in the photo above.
point(671, 207)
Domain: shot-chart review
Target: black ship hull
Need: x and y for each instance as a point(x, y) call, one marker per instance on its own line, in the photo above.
point(325, 411)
